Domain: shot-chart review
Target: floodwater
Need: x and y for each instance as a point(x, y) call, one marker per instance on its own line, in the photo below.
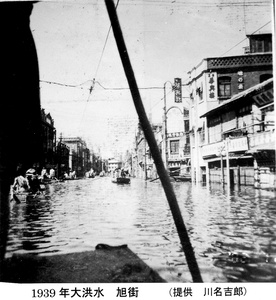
point(233, 235)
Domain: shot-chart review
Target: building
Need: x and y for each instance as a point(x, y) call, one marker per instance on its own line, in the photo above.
point(178, 145)
point(48, 140)
point(176, 136)
point(79, 157)
point(62, 158)
point(214, 84)
point(244, 154)
point(142, 162)
point(113, 164)
point(119, 137)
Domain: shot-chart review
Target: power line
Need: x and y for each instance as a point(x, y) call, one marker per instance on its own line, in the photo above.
point(64, 84)
point(127, 88)
point(245, 38)
point(204, 4)
point(105, 43)
point(187, 79)
point(93, 82)
point(102, 86)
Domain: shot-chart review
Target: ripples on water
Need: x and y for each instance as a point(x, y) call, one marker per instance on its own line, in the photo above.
point(233, 235)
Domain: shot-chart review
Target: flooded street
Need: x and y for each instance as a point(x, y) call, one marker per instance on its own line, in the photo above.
point(234, 236)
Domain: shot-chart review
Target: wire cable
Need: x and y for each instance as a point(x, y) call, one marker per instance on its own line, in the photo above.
point(244, 39)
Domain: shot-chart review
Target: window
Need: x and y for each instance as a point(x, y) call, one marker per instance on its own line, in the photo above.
point(174, 147)
point(202, 134)
point(224, 86)
point(260, 43)
point(199, 92)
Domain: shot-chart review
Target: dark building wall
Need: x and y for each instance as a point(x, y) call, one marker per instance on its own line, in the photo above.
point(20, 118)
point(249, 79)
point(62, 159)
point(48, 138)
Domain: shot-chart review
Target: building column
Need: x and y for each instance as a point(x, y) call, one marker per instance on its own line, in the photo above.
point(70, 159)
point(197, 166)
point(207, 174)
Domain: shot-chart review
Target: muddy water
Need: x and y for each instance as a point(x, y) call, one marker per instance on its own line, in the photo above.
point(233, 235)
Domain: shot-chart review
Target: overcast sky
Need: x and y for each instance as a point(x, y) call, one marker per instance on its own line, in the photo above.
point(165, 39)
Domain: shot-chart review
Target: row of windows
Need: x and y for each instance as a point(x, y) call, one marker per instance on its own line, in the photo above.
point(224, 86)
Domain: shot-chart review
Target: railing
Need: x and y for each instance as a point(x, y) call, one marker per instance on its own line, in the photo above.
point(235, 145)
point(239, 61)
point(261, 138)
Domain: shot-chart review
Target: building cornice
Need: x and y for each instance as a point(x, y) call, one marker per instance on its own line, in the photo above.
point(231, 63)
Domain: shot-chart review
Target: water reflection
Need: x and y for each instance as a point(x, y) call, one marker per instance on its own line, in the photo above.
point(233, 234)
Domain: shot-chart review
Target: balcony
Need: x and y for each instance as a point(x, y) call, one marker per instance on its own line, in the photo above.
point(215, 149)
point(262, 140)
point(240, 61)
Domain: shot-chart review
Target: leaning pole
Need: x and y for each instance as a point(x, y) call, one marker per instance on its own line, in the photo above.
point(164, 177)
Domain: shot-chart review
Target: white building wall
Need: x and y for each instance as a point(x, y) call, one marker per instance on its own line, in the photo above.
point(204, 91)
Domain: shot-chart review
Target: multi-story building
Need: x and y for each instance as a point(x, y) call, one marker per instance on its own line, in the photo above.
point(245, 153)
point(142, 162)
point(178, 145)
point(214, 84)
point(62, 159)
point(48, 139)
point(79, 159)
point(112, 165)
point(176, 138)
point(119, 137)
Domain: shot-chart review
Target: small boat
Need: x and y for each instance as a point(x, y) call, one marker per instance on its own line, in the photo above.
point(121, 180)
point(182, 177)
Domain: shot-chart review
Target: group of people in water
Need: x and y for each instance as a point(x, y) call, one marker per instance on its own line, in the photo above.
point(30, 181)
point(120, 172)
point(71, 175)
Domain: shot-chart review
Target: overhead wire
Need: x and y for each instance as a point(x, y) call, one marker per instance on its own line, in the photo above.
point(98, 66)
point(100, 84)
point(197, 3)
point(245, 39)
point(187, 79)
point(92, 86)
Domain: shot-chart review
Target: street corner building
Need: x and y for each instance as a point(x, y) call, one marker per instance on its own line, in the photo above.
point(232, 117)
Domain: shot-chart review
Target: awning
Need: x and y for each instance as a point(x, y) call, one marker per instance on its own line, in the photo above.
point(252, 91)
point(230, 158)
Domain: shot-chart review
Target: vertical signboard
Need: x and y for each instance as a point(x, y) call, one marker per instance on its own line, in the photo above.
point(177, 90)
point(212, 88)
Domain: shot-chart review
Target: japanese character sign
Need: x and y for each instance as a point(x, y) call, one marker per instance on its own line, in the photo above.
point(177, 90)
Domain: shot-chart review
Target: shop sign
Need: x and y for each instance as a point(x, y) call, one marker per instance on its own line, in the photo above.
point(177, 90)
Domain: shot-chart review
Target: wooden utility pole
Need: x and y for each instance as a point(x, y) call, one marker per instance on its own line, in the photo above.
point(145, 124)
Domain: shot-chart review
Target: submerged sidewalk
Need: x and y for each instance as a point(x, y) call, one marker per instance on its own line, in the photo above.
point(106, 264)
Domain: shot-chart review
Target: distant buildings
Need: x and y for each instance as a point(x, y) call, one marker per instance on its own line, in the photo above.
point(119, 137)
point(48, 139)
point(227, 133)
point(79, 155)
point(113, 164)
point(65, 154)
point(178, 145)
point(62, 158)
point(142, 162)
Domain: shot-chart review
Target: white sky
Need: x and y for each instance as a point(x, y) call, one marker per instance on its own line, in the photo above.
point(165, 39)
